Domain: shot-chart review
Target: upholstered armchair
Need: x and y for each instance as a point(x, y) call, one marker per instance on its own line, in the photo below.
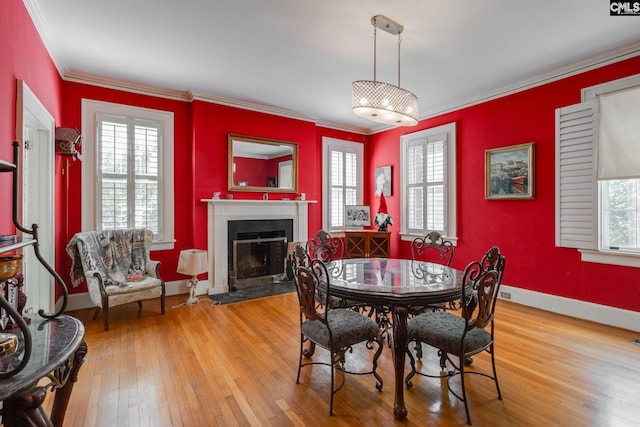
point(117, 268)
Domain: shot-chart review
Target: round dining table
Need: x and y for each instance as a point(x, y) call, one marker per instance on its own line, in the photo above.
point(395, 285)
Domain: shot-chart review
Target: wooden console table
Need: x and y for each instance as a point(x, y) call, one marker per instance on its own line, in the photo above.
point(58, 353)
point(366, 243)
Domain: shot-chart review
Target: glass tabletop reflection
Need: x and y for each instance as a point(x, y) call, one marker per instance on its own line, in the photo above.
point(397, 280)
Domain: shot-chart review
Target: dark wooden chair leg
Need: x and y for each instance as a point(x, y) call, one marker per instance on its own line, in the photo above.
point(106, 317)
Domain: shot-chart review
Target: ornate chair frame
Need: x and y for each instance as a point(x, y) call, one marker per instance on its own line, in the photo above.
point(466, 335)
point(334, 329)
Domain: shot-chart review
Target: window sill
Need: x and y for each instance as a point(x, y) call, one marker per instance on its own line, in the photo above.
point(164, 245)
point(610, 257)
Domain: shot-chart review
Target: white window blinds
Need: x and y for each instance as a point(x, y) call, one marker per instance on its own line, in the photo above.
point(342, 166)
point(128, 193)
point(426, 172)
point(619, 135)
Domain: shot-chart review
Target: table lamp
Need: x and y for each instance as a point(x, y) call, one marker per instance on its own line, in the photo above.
point(192, 262)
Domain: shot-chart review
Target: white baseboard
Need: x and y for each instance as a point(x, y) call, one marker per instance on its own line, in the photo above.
point(625, 319)
point(620, 318)
point(176, 287)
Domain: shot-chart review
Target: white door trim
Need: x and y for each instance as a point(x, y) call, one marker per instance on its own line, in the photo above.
point(35, 130)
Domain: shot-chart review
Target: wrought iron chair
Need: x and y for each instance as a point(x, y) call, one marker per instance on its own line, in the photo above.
point(433, 248)
point(465, 335)
point(324, 247)
point(335, 329)
point(434, 244)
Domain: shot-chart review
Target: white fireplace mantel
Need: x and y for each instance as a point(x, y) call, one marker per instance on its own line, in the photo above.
point(221, 211)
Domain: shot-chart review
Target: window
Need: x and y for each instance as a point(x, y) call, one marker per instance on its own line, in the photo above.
point(428, 190)
point(598, 173)
point(342, 164)
point(620, 213)
point(128, 170)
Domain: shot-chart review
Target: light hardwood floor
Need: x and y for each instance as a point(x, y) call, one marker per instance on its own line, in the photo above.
point(236, 364)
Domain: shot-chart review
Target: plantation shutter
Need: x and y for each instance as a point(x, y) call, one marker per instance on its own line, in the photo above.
point(436, 173)
point(415, 187)
point(343, 173)
point(576, 184)
point(128, 174)
point(426, 192)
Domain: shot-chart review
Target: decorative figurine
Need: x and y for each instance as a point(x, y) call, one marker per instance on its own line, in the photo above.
point(382, 219)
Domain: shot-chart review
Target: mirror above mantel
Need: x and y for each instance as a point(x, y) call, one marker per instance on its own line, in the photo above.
point(263, 165)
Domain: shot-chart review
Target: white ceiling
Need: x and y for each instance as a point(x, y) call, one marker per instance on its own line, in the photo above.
point(299, 57)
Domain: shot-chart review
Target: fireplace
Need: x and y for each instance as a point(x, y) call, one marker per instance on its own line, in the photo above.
point(221, 212)
point(257, 251)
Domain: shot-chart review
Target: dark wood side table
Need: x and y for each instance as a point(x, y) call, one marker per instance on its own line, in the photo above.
point(366, 243)
point(58, 353)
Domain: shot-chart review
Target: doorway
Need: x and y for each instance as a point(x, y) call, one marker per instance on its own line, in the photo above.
point(35, 130)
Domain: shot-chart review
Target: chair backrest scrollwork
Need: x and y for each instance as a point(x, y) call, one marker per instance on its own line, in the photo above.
point(324, 247)
point(309, 279)
point(481, 282)
point(432, 242)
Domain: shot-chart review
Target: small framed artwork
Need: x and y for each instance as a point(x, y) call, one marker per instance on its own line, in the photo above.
point(509, 172)
point(357, 215)
point(382, 181)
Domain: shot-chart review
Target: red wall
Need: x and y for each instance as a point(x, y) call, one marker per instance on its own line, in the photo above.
point(22, 56)
point(524, 229)
point(73, 93)
point(256, 171)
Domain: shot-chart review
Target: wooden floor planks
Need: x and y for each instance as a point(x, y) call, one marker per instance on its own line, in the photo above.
point(235, 365)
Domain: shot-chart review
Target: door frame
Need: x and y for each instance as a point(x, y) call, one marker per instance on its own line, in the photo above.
point(36, 188)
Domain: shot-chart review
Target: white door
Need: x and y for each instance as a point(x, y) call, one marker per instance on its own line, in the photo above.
point(35, 132)
point(285, 174)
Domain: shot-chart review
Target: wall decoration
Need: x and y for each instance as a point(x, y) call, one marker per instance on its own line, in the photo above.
point(509, 172)
point(357, 215)
point(382, 180)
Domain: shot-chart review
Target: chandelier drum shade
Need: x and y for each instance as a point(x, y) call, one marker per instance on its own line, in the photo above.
point(384, 102)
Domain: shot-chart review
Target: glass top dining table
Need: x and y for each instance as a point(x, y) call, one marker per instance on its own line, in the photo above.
point(396, 285)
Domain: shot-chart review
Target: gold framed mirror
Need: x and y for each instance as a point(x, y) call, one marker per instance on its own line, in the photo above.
point(263, 165)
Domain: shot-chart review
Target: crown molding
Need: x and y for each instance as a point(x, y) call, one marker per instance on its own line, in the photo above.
point(610, 57)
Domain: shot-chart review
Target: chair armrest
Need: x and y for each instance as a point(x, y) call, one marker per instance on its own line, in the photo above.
point(152, 269)
point(95, 277)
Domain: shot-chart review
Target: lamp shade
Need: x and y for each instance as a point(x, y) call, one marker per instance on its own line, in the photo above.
point(384, 103)
point(192, 262)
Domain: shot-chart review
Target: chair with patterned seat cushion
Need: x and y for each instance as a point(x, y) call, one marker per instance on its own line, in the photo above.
point(458, 336)
point(336, 330)
point(117, 268)
point(430, 248)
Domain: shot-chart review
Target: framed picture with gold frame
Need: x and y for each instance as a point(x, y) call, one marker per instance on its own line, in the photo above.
point(510, 172)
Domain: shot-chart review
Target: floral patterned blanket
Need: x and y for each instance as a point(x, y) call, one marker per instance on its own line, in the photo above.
point(119, 255)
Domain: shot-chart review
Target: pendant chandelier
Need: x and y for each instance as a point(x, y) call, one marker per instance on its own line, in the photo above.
point(384, 102)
